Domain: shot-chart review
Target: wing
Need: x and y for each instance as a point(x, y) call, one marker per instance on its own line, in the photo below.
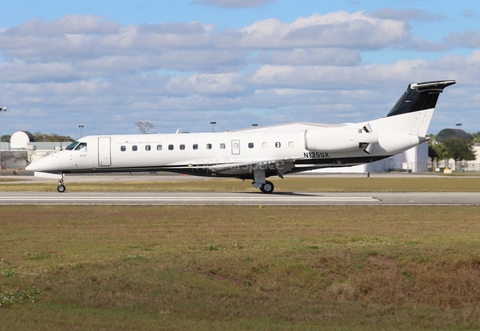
point(280, 166)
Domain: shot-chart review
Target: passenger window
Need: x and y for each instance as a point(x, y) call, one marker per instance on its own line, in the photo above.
point(209, 146)
point(170, 147)
point(182, 147)
point(134, 148)
point(278, 145)
point(159, 147)
point(265, 145)
point(123, 148)
point(195, 146)
point(148, 147)
point(290, 144)
point(222, 146)
point(250, 145)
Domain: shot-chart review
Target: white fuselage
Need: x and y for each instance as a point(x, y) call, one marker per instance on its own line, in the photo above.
point(256, 153)
point(308, 146)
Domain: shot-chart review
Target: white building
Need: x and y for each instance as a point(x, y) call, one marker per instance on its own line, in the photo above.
point(22, 150)
point(413, 160)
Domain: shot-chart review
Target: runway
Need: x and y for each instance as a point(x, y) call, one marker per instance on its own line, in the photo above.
point(247, 199)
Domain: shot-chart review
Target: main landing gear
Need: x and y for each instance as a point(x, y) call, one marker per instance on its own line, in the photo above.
point(267, 187)
point(259, 182)
point(259, 170)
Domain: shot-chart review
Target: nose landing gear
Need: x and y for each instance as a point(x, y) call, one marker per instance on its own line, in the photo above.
point(61, 186)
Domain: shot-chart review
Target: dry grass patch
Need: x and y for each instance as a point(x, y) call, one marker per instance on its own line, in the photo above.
point(289, 184)
point(231, 267)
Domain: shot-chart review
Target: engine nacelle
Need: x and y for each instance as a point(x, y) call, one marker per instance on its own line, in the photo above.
point(395, 142)
point(338, 139)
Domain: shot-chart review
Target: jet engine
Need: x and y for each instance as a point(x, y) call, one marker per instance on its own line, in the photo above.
point(340, 139)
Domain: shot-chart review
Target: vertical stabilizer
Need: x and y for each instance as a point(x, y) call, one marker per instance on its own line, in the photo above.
point(414, 110)
point(419, 96)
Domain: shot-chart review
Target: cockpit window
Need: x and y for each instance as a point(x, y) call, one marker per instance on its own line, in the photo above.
point(71, 146)
point(82, 147)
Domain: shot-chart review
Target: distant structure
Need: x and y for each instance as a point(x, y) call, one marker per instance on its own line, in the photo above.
point(449, 133)
point(23, 150)
point(460, 165)
point(413, 160)
point(20, 139)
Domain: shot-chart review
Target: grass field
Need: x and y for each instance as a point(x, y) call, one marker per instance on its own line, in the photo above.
point(242, 268)
point(289, 184)
point(239, 268)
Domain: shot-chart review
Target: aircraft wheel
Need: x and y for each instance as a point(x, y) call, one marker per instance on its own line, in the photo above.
point(61, 188)
point(267, 187)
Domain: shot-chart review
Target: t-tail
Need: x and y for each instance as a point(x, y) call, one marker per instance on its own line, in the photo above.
point(414, 110)
point(406, 125)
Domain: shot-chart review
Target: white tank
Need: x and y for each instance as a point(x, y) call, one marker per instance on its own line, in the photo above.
point(19, 139)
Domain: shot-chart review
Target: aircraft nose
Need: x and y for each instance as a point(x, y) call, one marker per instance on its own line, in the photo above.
point(33, 166)
point(44, 164)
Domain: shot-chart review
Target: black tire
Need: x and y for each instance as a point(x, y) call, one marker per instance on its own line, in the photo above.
point(267, 187)
point(61, 188)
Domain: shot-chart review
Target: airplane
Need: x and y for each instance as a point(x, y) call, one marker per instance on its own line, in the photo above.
point(255, 153)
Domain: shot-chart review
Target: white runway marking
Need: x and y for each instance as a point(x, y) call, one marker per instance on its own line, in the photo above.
point(340, 199)
point(183, 200)
point(240, 198)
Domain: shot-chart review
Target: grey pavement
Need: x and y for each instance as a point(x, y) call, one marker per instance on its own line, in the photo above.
point(254, 198)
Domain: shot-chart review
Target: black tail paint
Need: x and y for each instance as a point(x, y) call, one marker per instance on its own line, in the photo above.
point(419, 96)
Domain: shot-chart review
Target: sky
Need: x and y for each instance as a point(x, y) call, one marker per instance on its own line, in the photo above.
point(182, 64)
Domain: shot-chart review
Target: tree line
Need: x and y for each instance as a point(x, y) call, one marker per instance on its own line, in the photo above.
point(458, 149)
point(43, 137)
point(143, 127)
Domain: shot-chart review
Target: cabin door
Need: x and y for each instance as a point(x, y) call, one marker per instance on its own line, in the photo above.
point(236, 147)
point(104, 152)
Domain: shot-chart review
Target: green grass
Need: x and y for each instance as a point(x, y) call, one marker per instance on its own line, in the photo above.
point(238, 268)
point(295, 184)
